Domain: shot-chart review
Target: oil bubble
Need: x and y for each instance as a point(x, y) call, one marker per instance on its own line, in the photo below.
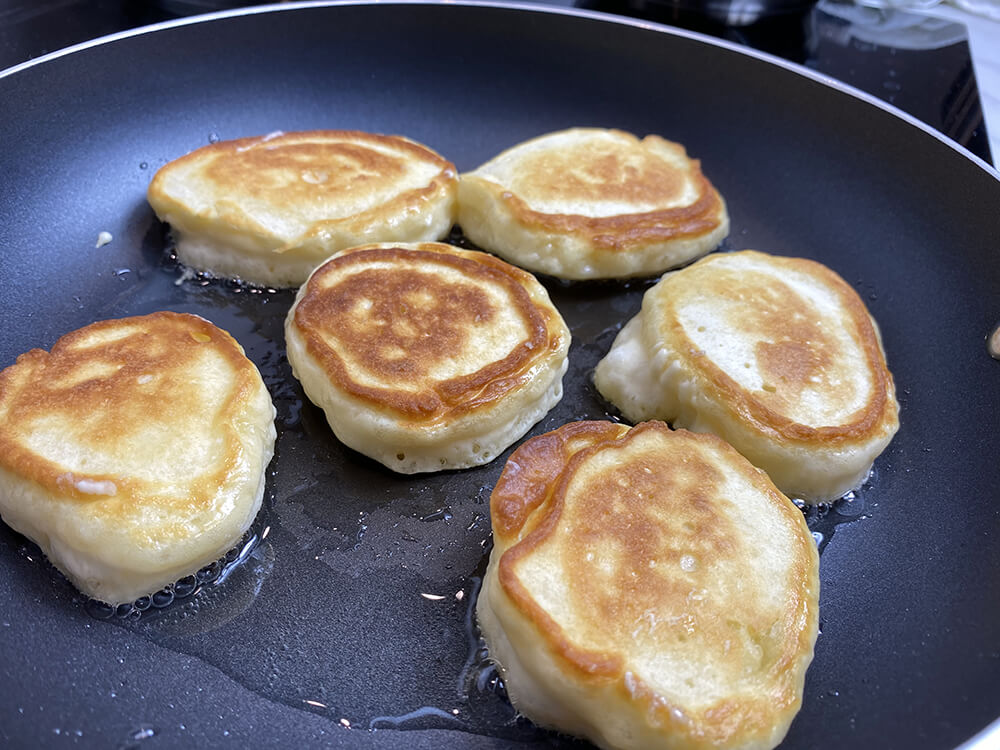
point(163, 598)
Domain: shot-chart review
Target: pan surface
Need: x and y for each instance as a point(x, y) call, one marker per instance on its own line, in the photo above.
point(347, 622)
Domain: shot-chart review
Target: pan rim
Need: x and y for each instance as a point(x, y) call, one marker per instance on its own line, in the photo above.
point(517, 5)
point(986, 738)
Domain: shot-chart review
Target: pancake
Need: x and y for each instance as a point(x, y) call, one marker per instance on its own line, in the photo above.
point(134, 452)
point(268, 210)
point(649, 589)
point(776, 355)
point(425, 356)
point(588, 203)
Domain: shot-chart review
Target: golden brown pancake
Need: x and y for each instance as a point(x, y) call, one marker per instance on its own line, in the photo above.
point(270, 209)
point(588, 203)
point(425, 356)
point(776, 355)
point(649, 589)
point(134, 452)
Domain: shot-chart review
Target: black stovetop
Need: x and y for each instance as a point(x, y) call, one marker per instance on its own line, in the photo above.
point(891, 55)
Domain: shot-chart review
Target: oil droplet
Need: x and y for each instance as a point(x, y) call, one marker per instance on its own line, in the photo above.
point(401, 721)
point(441, 514)
point(850, 505)
point(98, 610)
point(142, 733)
point(213, 137)
point(143, 165)
point(162, 598)
point(185, 587)
point(362, 528)
point(209, 573)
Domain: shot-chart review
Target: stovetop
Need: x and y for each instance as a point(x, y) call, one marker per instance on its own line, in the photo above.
point(919, 64)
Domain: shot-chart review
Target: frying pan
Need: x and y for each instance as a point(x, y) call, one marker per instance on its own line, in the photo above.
point(345, 620)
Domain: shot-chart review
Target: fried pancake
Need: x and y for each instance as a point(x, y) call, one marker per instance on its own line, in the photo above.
point(588, 203)
point(776, 355)
point(268, 210)
point(425, 356)
point(649, 589)
point(134, 452)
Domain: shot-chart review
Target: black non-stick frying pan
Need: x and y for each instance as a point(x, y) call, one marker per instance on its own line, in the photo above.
point(346, 620)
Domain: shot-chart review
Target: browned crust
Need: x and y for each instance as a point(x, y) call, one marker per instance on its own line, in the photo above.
point(869, 420)
point(26, 391)
point(717, 723)
point(627, 231)
point(452, 397)
point(446, 178)
point(529, 475)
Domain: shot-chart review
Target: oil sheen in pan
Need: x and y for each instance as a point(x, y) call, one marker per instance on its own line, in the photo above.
point(353, 594)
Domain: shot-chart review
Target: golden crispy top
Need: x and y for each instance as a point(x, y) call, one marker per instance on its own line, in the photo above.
point(297, 185)
point(785, 340)
point(661, 562)
point(599, 173)
point(606, 184)
point(128, 411)
point(427, 330)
